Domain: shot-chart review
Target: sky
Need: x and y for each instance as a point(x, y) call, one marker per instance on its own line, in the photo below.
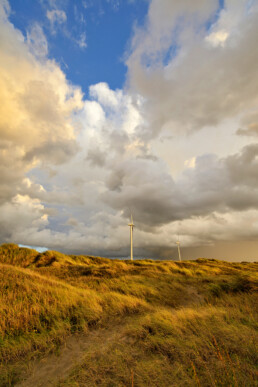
point(111, 107)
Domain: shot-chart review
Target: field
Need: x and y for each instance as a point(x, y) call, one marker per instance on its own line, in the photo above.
point(90, 321)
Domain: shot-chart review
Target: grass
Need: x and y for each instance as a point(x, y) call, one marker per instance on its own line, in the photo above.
point(180, 323)
point(206, 347)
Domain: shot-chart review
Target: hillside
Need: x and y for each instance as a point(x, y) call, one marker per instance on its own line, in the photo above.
point(102, 322)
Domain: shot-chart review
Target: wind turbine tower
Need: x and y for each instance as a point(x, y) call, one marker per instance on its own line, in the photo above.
point(178, 247)
point(131, 225)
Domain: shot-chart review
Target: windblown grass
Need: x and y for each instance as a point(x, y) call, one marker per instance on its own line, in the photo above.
point(211, 346)
point(182, 323)
point(34, 308)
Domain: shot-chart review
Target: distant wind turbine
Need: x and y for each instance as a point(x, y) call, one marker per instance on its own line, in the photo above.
point(178, 247)
point(131, 225)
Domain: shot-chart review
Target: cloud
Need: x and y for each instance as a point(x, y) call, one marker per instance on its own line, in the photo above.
point(252, 130)
point(79, 16)
point(37, 42)
point(81, 41)
point(96, 157)
point(4, 9)
point(37, 105)
point(115, 4)
point(20, 215)
point(188, 84)
point(190, 163)
point(56, 17)
point(217, 38)
point(212, 185)
point(250, 124)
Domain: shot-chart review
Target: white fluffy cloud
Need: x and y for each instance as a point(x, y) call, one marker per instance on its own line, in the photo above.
point(37, 42)
point(36, 107)
point(187, 83)
point(56, 16)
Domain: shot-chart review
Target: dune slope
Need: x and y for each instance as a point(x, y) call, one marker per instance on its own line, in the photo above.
point(157, 323)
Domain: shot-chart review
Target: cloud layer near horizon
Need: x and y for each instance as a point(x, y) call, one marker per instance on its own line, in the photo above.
point(72, 169)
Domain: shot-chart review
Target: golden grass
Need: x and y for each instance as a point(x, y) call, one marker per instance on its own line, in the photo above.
point(181, 323)
point(211, 346)
point(36, 310)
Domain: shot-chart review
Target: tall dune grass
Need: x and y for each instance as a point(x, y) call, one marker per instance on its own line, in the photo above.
point(180, 323)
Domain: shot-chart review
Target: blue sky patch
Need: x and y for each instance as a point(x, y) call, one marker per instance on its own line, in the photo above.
point(87, 38)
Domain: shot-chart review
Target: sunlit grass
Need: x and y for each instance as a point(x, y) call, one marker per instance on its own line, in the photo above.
point(180, 323)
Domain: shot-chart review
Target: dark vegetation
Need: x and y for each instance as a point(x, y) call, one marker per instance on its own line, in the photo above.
point(191, 323)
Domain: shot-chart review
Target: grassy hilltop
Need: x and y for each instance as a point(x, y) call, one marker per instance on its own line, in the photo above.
point(140, 323)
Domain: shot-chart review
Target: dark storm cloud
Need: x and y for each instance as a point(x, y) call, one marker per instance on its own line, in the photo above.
point(213, 185)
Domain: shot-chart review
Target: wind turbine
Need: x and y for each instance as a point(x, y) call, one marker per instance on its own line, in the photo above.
point(178, 247)
point(131, 225)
